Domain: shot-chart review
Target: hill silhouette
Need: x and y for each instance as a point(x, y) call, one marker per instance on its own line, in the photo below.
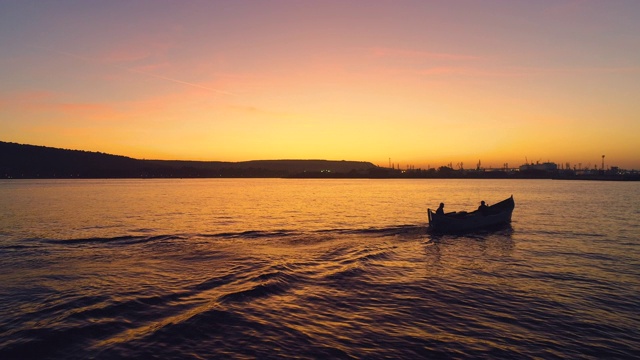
point(30, 161)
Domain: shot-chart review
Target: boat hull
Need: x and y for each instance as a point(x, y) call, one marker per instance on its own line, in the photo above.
point(495, 216)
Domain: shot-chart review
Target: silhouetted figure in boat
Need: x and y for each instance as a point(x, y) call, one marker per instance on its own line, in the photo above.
point(483, 208)
point(440, 210)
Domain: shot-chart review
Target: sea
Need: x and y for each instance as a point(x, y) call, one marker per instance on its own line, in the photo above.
point(316, 269)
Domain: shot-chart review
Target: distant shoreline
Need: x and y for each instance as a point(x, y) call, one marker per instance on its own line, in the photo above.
point(18, 161)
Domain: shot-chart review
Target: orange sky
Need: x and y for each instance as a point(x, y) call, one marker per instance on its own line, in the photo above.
point(420, 82)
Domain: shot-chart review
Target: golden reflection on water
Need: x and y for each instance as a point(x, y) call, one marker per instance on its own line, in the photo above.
point(344, 263)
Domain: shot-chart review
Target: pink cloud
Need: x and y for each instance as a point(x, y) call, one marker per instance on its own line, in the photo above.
point(25, 98)
point(151, 67)
point(567, 9)
point(470, 71)
point(136, 49)
point(49, 102)
point(443, 71)
point(576, 70)
point(516, 71)
point(85, 108)
point(417, 54)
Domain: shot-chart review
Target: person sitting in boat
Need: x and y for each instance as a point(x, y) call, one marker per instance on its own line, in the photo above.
point(440, 210)
point(483, 208)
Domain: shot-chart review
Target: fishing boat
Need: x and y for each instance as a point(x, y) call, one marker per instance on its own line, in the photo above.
point(455, 222)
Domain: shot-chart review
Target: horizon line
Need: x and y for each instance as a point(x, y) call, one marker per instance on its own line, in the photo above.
point(394, 165)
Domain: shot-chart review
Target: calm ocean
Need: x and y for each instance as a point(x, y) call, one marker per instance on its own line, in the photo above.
point(279, 268)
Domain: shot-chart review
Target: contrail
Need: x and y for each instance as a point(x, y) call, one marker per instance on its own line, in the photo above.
point(177, 81)
point(76, 56)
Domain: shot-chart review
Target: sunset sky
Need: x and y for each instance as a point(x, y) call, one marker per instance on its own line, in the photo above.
point(418, 82)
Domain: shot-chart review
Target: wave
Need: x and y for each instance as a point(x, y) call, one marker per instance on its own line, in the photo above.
point(252, 234)
point(379, 295)
point(124, 239)
point(255, 292)
point(566, 233)
point(383, 231)
point(389, 231)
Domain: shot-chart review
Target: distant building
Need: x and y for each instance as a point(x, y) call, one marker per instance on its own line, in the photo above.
point(547, 166)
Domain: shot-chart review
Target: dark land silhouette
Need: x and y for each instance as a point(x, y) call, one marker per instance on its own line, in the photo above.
point(29, 161)
point(18, 161)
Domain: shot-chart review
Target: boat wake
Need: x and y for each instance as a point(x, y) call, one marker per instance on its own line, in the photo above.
point(390, 231)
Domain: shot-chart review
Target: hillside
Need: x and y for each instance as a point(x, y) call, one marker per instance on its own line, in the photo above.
point(29, 161)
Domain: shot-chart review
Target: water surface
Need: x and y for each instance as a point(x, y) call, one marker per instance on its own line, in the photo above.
point(278, 268)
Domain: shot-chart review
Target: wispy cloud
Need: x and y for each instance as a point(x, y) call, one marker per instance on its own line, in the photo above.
point(49, 102)
point(567, 8)
point(24, 97)
point(579, 70)
point(134, 51)
point(178, 81)
point(138, 70)
point(418, 54)
point(521, 71)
